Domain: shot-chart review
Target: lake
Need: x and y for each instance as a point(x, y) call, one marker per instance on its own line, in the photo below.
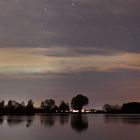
point(70, 127)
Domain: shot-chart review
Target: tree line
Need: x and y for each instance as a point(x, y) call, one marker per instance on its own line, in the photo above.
point(131, 107)
point(46, 106)
point(49, 106)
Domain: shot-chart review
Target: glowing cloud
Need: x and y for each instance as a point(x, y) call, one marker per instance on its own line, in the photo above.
point(41, 60)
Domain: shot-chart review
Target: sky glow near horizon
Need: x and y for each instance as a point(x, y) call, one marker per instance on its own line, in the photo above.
point(57, 49)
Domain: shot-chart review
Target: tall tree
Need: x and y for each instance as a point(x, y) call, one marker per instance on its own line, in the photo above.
point(78, 102)
point(48, 105)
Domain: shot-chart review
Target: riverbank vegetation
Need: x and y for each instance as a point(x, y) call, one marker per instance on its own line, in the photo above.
point(130, 108)
point(47, 106)
point(13, 107)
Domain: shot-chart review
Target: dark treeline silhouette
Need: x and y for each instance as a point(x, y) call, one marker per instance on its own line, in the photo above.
point(49, 106)
point(13, 107)
point(131, 108)
point(46, 106)
point(112, 108)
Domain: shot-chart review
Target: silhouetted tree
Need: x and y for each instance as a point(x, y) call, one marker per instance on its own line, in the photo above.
point(21, 105)
point(48, 105)
point(112, 108)
point(30, 110)
point(1, 107)
point(30, 105)
point(43, 105)
point(107, 107)
point(2, 104)
point(55, 109)
point(63, 107)
point(132, 107)
point(78, 102)
point(15, 108)
point(12, 104)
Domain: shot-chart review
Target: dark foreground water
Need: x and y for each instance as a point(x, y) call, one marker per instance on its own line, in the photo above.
point(70, 127)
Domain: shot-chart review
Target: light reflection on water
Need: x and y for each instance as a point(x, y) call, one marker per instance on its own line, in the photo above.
point(70, 126)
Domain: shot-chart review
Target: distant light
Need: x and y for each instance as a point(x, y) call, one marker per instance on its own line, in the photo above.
point(75, 111)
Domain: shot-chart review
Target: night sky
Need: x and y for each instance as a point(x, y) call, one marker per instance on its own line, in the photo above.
point(60, 48)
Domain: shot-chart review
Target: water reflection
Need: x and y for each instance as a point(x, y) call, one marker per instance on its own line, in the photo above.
point(29, 121)
point(13, 121)
point(48, 120)
point(19, 120)
point(1, 120)
point(79, 122)
point(64, 119)
point(129, 119)
point(70, 126)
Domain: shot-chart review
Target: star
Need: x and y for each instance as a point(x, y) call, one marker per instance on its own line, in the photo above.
point(45, 10)
point(73, 4)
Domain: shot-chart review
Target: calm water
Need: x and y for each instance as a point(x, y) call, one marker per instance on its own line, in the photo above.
point(70, 127)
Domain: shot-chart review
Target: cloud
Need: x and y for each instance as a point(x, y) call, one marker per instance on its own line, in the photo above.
point(50, 61)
